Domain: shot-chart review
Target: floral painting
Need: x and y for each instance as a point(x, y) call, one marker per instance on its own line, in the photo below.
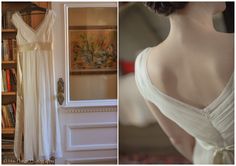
point(93, 50)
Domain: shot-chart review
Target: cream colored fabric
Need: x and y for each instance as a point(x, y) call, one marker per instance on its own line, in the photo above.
point(36, 114)
point(212, 127)
point(35, 46)
point(132, 107)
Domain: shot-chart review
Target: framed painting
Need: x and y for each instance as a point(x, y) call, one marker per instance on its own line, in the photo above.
point(93, 49)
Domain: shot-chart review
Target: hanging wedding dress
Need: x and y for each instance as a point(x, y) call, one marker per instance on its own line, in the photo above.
point(36, 117)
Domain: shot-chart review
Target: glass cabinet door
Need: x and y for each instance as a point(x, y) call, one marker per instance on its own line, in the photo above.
point(91, 52)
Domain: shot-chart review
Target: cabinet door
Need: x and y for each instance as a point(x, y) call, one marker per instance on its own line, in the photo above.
point(85, 56)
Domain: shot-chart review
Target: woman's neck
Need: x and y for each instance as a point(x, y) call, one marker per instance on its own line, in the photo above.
point(192, 22)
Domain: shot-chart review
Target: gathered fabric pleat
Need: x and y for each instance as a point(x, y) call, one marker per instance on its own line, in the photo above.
point(212, 127)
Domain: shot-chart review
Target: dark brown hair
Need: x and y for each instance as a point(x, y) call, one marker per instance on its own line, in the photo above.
point(165, 8)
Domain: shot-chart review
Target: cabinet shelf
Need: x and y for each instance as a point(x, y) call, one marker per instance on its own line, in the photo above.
point(8, 130)
point(8, 62)
point(8, 93)
point(9, 30)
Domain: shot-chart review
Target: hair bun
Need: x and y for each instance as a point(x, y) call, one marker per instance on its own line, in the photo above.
point(165, 8)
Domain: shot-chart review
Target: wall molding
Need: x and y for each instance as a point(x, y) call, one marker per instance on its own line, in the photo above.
point(88, 147)
point(87, 109)
point(91, 159)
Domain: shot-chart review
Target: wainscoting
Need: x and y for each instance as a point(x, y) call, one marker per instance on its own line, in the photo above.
point(89, 135)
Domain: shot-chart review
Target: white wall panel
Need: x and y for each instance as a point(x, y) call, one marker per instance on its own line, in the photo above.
point(91, 136)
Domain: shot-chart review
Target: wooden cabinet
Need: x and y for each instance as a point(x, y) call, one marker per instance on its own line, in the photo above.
point(88, 127)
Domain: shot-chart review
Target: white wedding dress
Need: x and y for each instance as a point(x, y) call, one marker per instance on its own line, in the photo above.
point(36, 115)
point(212, 127)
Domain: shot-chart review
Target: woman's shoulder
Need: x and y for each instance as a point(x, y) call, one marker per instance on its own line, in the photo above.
point(225, 38)
point(148, 52)
point(230, 38)
point(227, 35)
point(162, 57)
point(141, 59)
point(162, 63)
point(223, 44)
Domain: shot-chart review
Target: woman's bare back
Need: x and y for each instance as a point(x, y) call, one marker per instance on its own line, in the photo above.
point(193, 71)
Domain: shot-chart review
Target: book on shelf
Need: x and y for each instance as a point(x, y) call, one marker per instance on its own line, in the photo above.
point(7, 144)
point(4, 82)
point(7, 141)
point(8, 157)
point(6, 20)
point(9, 80)
point(8, 115)
point(9, 49)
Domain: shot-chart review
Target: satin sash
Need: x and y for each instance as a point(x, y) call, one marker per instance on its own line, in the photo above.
point(35, 46)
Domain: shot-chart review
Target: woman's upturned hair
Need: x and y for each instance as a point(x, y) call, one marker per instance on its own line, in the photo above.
point(165, 8)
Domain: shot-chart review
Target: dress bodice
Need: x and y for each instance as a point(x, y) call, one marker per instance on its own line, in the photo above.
point(212, 126)
point(42, 33)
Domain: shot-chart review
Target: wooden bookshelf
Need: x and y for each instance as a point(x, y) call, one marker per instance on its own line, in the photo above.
point(8, 97)
point(8, 130)
point(8, 146)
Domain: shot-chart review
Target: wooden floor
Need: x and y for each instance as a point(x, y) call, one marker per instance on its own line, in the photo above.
point(150, 139)
point(147, 145)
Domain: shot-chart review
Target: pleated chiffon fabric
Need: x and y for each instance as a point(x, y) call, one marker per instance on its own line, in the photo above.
point(212, 127)
point(36, 114)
